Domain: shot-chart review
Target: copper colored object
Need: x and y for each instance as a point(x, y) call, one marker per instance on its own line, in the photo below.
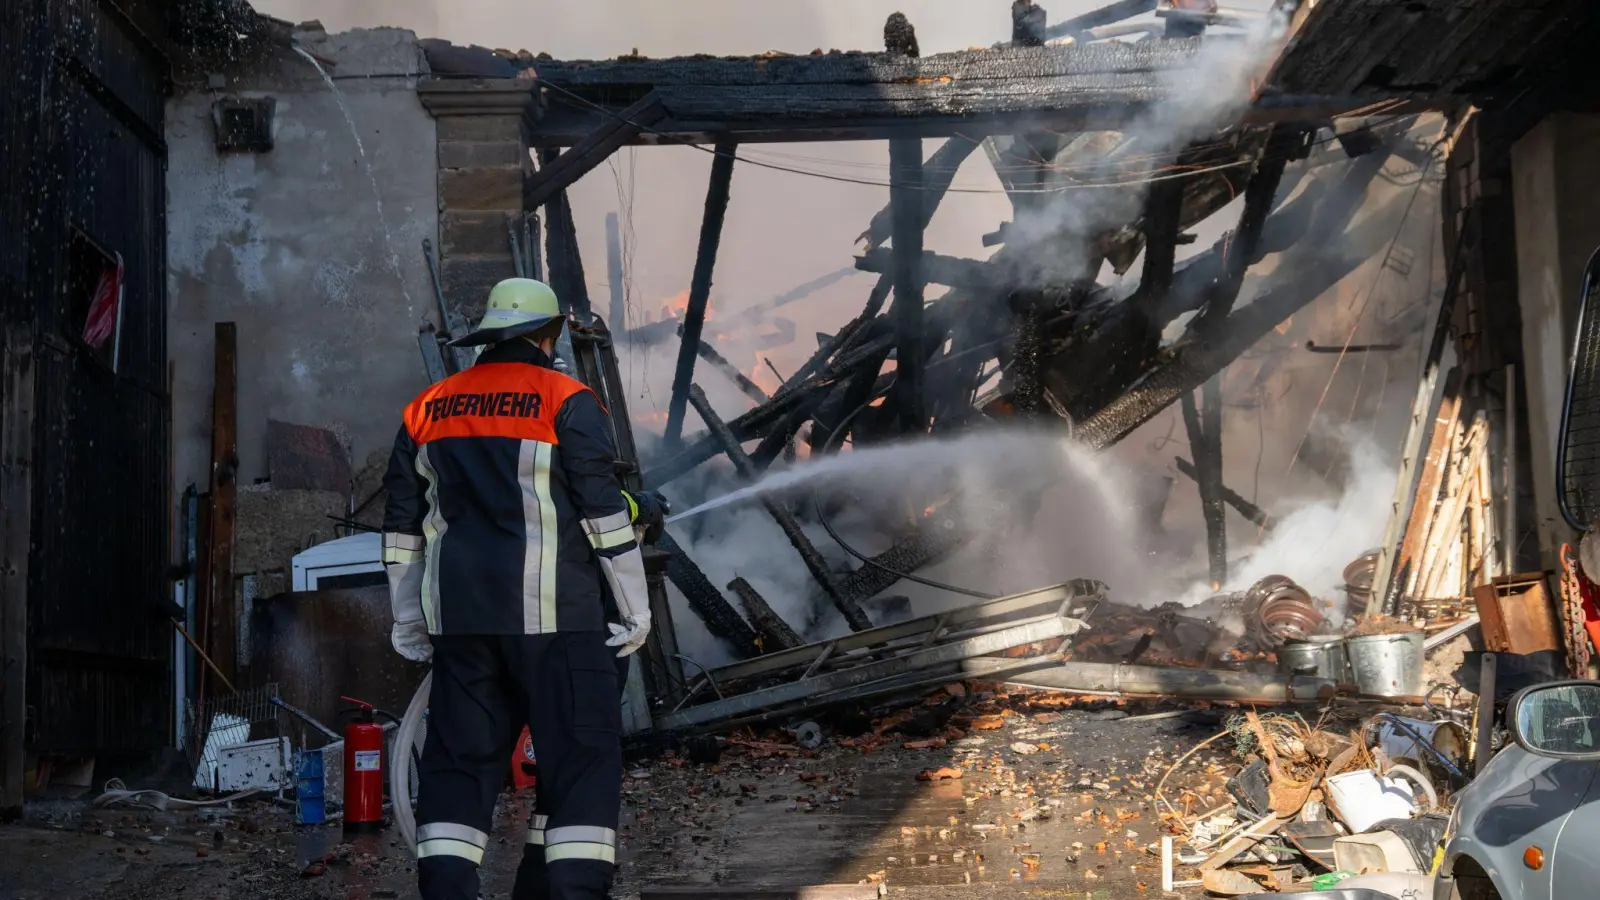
point(1358, 578)
point(1517, 614)
point(1284, 610)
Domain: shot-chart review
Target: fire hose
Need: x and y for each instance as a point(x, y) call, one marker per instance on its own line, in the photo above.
point(400, 762)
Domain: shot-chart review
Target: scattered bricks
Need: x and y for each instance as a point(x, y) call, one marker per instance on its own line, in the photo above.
point(941, 774)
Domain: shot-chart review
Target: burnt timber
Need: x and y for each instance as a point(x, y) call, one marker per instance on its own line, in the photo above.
point(856, 95)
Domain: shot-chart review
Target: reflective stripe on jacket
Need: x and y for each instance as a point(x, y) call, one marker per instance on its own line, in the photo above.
point(502, 494)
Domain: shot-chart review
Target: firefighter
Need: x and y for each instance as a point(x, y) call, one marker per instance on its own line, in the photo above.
point(505, 529)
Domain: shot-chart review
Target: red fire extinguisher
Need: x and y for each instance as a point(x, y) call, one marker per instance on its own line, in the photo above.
point(363, 769)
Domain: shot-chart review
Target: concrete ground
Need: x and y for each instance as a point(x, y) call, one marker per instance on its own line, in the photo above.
point(1049, 803)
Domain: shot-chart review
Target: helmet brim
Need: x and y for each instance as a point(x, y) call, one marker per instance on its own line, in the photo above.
point(496, 335)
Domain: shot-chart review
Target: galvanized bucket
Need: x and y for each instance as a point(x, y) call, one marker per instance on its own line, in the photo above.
point(1387, 665)
point(1320, 656)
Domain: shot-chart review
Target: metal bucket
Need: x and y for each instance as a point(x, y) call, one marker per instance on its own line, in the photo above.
point(1387, 665)
point(1320, 656)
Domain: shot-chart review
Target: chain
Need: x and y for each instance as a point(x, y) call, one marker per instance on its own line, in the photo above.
point(1573, 588)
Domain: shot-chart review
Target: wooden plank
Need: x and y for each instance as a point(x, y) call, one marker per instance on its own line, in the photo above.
point(16, 499)
point(223, 622)
point(581, 158)
point(700, 289)
point(1408, 563)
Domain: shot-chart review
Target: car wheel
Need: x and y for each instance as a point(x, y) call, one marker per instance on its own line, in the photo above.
point(1472, 883)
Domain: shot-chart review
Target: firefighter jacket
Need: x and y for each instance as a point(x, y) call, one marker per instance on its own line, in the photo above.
point(504, 513)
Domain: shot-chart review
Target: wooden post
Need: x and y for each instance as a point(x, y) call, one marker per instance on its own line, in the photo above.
point(618, 320)
point(700, 288)
point(16, 499)
point(563, 259)
point(905, 198)
point(222, 623)
point(1211, 476)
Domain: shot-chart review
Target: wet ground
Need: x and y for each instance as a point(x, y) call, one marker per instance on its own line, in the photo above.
point(1048, 803)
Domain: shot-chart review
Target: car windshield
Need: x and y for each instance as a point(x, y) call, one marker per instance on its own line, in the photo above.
point(1563, 719)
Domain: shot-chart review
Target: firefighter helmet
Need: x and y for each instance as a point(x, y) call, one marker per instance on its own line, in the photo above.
point(517, 306)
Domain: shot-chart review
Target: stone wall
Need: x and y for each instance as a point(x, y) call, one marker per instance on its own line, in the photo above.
point(483, 159)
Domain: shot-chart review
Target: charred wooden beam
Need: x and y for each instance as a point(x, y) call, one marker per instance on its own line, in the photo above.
point(780, 440)
point(938, 268)
point(1200, 356)
point(1205, 443)
point(1106, 15)
point(1027, 385)
point(581, 158)
point(741, 381)
point(939, 172)
point(1254, 513)
point(815, 564)
point(1258, 199)
point(847, 403)
point(905, 196)
point(707, 602)
point(1028, 24)
point(1122, 365)
point(935, 538)
point(758, 421)
point(774, 631)
point(700, 287)
point(1163, 213)
point(561, 249)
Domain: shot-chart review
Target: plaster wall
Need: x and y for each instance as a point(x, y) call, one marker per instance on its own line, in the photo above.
point(313, 248)
point(1558, 227)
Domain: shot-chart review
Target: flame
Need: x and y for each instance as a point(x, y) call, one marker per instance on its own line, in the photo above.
point(927, 511)
point(677, 306)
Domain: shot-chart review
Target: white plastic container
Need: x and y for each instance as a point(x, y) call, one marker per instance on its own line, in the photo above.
point(1361, 799)
point(1376, 851)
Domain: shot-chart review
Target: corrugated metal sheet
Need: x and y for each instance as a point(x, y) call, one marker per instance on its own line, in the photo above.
point(99, 644)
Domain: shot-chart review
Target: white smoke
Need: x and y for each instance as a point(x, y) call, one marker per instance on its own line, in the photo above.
point(1314, 543)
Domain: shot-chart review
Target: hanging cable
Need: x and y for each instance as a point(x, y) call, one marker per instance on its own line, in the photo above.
point(832, 443)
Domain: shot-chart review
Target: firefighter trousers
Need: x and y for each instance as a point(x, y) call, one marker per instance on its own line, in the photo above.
point(533, 875)
point(564, 686)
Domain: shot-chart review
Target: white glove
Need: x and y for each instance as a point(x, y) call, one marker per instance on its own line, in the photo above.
point(410, 640)
point(630, 635)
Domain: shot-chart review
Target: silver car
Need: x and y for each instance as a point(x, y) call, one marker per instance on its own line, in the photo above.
point(1528, 828)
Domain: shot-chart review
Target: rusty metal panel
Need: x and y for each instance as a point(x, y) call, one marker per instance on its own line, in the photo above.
point(319, 645)
point(1516, 614)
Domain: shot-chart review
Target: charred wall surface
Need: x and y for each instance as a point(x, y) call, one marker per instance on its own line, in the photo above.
point(83, 434)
